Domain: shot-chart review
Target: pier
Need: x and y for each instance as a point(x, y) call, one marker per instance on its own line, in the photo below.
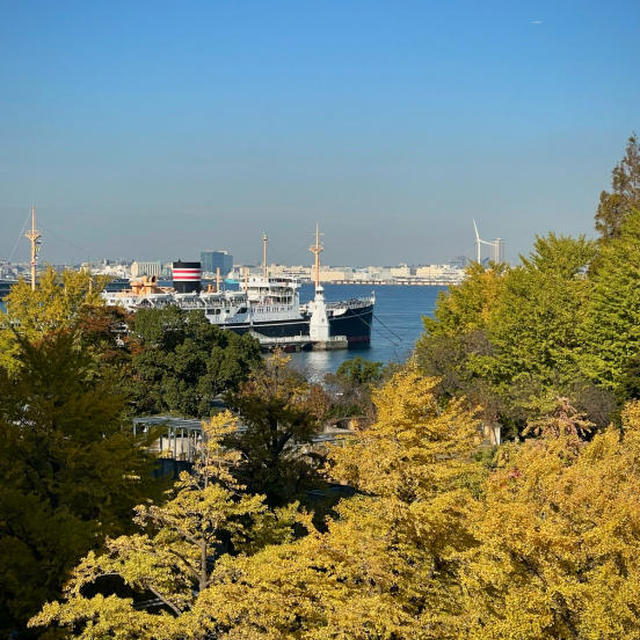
point(300, 343)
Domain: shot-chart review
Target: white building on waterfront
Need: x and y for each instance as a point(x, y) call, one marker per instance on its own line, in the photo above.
point(146, 269)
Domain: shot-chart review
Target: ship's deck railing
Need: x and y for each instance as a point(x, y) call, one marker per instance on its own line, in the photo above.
point(353, 303)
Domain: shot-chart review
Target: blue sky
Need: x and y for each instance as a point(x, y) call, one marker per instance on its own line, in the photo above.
point(153, 130)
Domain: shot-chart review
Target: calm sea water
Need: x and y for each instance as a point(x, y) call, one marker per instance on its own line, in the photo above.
point(396, 325)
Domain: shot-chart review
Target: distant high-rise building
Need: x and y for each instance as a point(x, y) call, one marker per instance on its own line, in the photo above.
point(497, 250)
point(212, 260)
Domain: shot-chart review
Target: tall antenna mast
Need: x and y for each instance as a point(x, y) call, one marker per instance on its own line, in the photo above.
point(33, 236)
point(264, 255)
point(316, 249)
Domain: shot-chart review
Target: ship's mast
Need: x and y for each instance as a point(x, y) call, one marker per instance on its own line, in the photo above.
point(33, 236)
point(264, 255)
point(316, 249)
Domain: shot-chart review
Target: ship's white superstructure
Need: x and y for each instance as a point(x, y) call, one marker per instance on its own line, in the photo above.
point(258, 300)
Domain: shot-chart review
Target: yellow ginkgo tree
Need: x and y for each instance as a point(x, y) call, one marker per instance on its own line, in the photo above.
point(540, 542)
point(60, 301)
point(385, 565)
point(559, 552)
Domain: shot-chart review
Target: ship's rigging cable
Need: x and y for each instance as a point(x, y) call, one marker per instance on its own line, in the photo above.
point(297, 254)
point(395, 344)
point(20, 233)
point(390, 340)
point(391, 331)
point(63, 240)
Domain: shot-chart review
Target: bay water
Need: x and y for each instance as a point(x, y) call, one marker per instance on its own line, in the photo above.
point(397, 324)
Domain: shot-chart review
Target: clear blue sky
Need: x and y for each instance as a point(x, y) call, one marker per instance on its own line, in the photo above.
point(153, 130)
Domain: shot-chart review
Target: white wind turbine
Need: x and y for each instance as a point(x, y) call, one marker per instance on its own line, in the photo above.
point(480, 242)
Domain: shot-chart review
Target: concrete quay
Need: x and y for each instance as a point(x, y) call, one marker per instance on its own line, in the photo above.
point(300, 343)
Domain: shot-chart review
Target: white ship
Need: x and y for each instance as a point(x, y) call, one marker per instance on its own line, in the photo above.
point(267, 307)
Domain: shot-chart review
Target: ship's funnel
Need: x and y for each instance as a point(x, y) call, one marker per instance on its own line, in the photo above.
point(187, 276)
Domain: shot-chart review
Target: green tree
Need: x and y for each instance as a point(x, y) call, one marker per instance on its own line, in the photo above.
point(181, 362)
point(615, 206)
point(360, 371)
point(349, 388)
point(468, 306)
point(457, 333)
point(70, 469)
point(509, 339)
point(610, 331)
point(534, 335)
point(280, 413)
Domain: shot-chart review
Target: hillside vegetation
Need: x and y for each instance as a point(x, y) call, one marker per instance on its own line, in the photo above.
point(419, 524)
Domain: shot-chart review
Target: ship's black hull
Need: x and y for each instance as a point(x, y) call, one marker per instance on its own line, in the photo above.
point(354, 324)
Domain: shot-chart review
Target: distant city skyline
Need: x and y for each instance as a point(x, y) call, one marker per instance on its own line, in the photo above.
point(17, 257)
point(157, 131)
point(19, 253)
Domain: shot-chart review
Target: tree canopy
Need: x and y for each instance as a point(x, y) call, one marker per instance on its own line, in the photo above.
point(280, 413)
point(70, 469)
point(181, 361)
point(60, 301)
point(358, 579)
point(360, 371)
point(164, 569)
point(509, 338)
point(559, 536)
point(610, 332)
point(615, 206)
point(541, 543)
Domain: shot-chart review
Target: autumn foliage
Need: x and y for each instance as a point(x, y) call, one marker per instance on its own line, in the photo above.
point(445, 534)
point(540, 541)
